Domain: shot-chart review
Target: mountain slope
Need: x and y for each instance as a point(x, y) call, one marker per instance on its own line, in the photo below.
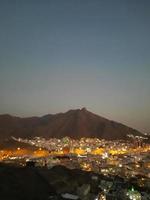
point(74, 123)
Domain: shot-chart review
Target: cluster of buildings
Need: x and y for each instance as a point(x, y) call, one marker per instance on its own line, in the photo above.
point(118, 161)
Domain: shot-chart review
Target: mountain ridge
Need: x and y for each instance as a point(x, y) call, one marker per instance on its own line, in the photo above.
point(75, 123)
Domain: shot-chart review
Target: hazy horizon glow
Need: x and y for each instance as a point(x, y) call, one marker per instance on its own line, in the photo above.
point(58, 55)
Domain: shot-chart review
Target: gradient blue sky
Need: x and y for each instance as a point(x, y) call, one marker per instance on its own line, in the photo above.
point(57, 55)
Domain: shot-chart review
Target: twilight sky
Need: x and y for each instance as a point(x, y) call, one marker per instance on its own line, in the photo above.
point(57, 55)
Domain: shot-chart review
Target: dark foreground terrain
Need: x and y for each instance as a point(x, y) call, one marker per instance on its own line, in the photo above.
point(30, 183)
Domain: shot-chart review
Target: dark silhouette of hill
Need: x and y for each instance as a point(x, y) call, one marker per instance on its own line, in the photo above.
point(18, 183)
point(11, 144)
point(74, 123)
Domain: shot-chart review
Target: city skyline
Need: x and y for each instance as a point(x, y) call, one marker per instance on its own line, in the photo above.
point(61, 55)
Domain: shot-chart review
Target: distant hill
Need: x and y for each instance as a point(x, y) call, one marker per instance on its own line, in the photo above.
point(74, 123)
point(11, 144)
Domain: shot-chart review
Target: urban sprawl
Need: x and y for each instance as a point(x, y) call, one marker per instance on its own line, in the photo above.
point(117, 161)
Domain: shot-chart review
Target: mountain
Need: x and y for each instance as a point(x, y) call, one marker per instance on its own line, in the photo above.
point(74, 123)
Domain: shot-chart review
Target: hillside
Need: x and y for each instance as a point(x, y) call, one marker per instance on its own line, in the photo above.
point(74, 123)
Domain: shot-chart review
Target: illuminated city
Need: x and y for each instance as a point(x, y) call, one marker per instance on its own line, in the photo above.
point(125, 159)
point(74, 100)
